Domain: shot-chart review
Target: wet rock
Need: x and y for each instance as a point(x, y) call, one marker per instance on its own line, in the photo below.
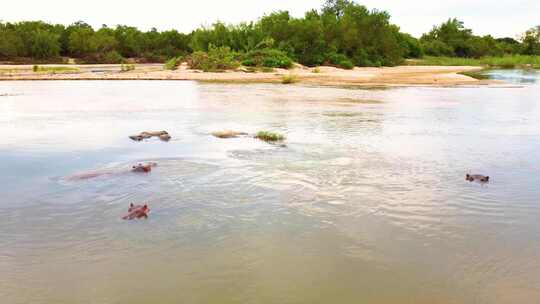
point(163, 135)
point(228, 134)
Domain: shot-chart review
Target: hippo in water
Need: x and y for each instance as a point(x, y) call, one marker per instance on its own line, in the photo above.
point(143, 168)
point(139, 168)
point(137, 212)
point(477, 177)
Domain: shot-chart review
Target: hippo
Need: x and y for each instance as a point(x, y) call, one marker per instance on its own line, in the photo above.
point(137, 212)
point(143, 168)
point(477, 177)
point(139, 168)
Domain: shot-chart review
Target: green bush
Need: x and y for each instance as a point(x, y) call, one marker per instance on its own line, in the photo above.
point(289, 79)
point(249, 62)
point(488, 61)
point(270, 58)
point(361, 58)
point(173, 63)
point(437, 48)
point(269, 136)
point(339, 60)
point(346, 64)
point(215, 60)
point(112, 57)
point(127, 67)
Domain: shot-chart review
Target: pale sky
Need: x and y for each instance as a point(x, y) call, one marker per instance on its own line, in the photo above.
point(499, 18)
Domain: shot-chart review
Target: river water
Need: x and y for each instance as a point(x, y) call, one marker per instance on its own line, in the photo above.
point(365, 203)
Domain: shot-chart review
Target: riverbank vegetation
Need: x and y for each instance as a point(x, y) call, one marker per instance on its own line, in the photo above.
point(507, 61)
point(289, 79)
point(342, 34)
point(54, 69)
point(269, 136)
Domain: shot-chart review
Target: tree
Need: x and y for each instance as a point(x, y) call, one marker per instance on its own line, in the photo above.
point(45, 45)
point(81, 41)
point(454, 35)
point(10, 43)
point(531, 41)
point(336, 7)
point(129, 40)
point(104, 40)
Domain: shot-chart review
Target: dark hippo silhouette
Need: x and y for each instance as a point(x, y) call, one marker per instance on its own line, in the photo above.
point(477, 177)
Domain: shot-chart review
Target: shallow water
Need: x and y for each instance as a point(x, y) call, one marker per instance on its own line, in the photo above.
point(366, 203)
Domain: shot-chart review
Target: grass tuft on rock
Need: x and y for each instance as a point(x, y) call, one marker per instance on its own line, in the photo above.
point(269, 136)
point(289, 79)
point(172, 64)
point(127, 67)
point(54, 69)
point(480, 75)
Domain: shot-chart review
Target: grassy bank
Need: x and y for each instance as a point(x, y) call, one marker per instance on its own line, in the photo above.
point(54, 69)
point(507, 62)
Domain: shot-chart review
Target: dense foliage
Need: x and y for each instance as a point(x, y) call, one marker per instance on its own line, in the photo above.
point(40, 41)
point(269, 58)
point(343, 34)
point(452, 39)
point(215, 60)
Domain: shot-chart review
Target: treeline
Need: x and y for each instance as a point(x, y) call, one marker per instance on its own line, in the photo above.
point(41, 41)
point(452, 39)
point(342, 33)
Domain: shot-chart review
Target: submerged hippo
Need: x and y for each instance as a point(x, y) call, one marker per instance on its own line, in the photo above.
point(163, 135)
point(477, 177)
point(139, 168)
point(143, 168)
point(137, 212)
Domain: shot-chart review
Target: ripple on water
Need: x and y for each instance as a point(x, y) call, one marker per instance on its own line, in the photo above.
point(371, 196)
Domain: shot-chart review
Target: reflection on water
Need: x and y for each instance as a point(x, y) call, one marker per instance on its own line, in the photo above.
point(367, 203)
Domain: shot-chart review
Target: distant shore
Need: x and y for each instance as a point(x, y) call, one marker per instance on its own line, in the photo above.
point(386, 76)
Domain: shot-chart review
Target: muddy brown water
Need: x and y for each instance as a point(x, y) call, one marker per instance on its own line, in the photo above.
point(367, 203)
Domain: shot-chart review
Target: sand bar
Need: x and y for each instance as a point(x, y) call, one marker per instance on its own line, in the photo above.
point(400, 75)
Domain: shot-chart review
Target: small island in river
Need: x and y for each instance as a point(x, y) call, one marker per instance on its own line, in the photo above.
point(324, 75)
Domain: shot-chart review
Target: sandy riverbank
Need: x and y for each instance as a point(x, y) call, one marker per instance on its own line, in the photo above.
point(401, 75)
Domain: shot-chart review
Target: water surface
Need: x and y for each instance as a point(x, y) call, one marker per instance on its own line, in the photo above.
point(366, 203)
